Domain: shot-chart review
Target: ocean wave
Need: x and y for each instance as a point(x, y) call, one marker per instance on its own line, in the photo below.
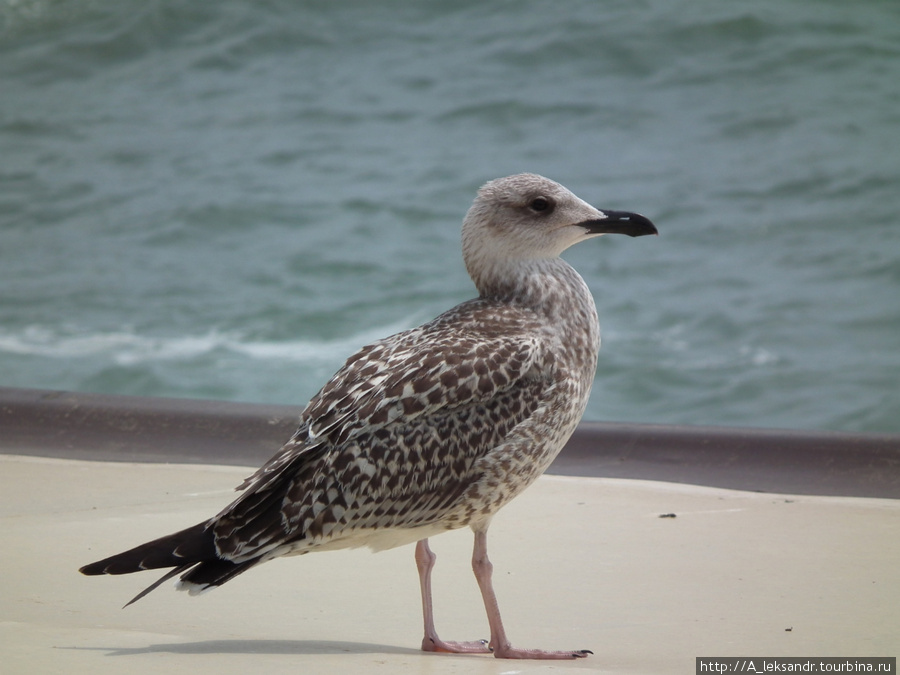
point(127, 347)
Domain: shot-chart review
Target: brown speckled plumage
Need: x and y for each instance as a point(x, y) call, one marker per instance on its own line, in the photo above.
point(434, 428)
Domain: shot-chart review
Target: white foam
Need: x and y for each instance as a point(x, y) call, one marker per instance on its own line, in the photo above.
point(126, 347)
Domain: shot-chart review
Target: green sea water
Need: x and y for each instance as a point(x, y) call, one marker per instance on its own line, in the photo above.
point(224, 200)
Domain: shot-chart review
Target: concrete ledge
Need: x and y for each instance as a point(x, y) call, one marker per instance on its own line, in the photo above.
point(138, 429)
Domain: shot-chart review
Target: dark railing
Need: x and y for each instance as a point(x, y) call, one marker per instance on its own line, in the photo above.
point(137, 429)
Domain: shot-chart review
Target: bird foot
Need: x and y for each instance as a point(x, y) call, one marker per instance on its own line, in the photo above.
point(434, 644)
point(510, 652)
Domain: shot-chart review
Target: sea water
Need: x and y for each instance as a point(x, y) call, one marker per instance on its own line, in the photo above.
point(225, 199)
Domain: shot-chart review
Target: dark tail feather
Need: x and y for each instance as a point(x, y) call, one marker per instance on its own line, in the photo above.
point(156, 584)
point(213, 573)
point(192, 552)
point(193, 545)
point(202, 577)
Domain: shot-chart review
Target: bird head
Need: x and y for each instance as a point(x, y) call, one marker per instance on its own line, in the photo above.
point(528, 217)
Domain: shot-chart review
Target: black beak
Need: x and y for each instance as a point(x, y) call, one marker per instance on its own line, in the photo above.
point(620, 222)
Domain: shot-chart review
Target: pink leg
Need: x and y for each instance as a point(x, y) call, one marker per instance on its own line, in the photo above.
point(425, 560)
point(499, 643)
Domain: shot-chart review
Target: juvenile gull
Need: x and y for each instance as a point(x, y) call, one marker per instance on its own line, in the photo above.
point(431, 429)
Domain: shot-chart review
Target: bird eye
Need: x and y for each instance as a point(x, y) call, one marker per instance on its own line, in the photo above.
point(540, 204)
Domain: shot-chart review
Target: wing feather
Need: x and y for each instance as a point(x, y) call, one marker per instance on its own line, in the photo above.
point(394, 438)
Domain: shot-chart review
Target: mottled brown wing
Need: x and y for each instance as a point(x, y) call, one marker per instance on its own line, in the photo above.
point(394, 438)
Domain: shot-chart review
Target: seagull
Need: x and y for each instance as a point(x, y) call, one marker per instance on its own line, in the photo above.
point(434, 428)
